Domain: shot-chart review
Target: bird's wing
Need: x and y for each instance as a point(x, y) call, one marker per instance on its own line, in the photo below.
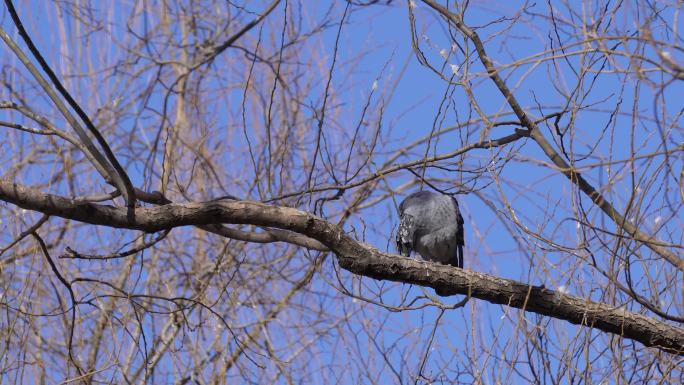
point(460, 236)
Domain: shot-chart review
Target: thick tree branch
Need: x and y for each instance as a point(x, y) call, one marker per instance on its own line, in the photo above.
point(268, 236)
point(361, 259)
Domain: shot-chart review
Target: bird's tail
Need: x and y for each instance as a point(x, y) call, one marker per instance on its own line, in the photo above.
point(458, 258)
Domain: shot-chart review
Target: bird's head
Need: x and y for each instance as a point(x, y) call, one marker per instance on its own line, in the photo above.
point(405, 235)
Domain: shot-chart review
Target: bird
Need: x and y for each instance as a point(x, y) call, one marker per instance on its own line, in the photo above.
point(431, 224)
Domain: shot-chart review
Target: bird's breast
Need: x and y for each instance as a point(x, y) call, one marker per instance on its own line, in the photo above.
point(434, 248)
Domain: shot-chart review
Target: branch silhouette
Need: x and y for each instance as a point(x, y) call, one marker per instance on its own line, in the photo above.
point(360, 258)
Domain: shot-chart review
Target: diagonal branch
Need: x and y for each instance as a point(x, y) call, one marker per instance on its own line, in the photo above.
point(535, 133)
point(361, 259)
point(118, 174)
point(231, 40)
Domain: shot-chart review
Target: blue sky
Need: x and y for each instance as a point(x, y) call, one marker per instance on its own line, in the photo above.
point(375, 63)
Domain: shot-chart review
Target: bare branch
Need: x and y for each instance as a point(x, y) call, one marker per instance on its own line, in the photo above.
point(363, 259)
point(536, 134)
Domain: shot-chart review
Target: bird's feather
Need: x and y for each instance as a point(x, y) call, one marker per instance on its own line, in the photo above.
point(432, 225)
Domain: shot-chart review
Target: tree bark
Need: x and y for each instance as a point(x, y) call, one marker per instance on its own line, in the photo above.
point(360, 258)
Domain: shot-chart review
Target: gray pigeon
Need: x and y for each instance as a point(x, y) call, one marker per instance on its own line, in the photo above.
point(431, 224)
